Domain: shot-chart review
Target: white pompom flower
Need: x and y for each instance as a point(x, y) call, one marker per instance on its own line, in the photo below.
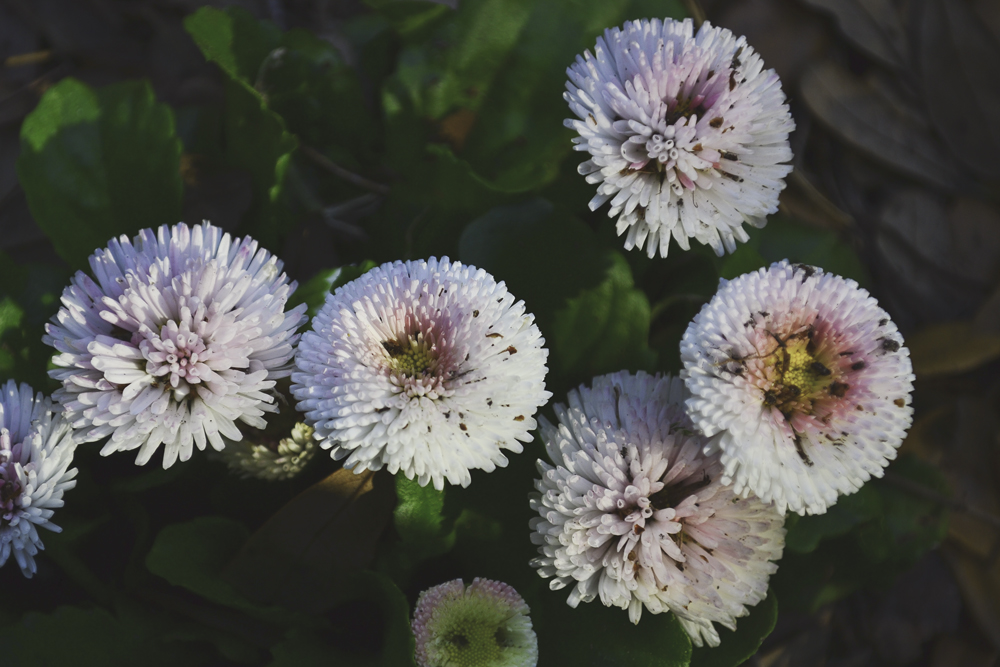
point(688, 133)
point(803, 380)
point(635, 513)
point(427, 368)
point(182, 335)
point(36, 450)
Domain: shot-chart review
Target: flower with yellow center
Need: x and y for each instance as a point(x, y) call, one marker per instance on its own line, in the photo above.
point(803, 380)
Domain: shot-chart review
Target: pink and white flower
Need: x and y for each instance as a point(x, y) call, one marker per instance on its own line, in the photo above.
point(804, 382)
point(688, 133)
point(428, 368)
point(635, 512)
point(182, 335)
point(36, 450)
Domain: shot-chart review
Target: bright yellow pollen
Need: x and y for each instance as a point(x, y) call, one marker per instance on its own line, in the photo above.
point(472, 644)
point(801, 376)
point(800, 372)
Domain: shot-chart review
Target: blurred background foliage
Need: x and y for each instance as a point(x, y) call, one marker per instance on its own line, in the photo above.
point(341, 133)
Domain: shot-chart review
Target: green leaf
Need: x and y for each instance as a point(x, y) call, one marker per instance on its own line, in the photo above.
point(233, 39)
point(737, 646)
point(603, 329)
point(322, 538)
point(593, 635)
point(257, 142)
point(898, 529)
point(74, 636)
point(372, 629)
point(419, 520)
point(307, 82)
point(193, 554)
point(806, 532)
point(96, 164)
point(455, 65)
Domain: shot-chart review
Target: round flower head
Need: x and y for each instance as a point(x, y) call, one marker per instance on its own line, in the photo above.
point(429, 368)
point(804, 382)
point(36, 450)
point(687, 133)
point(182, 334)
point(484, 625)
point(635, 512)
point(272, 461)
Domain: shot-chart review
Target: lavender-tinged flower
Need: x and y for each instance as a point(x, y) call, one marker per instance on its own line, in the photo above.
point(803, 380)
point(635, 513)
point(428, 368)
point(687, 133)
point(36, 450)
point(484, 625)
point(182, 335)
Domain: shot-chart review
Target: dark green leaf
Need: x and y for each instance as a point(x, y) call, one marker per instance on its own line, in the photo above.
point(603, 329)
point(419, 520)
point(233, 39)
point(805, 533)
point(193, 555)
point(322, 539)
point(737, 646)
point(95, 164)
point(371, 629)
point(593, 635)
point(74, 636)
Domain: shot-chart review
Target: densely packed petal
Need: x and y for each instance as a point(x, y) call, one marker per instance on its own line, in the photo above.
point(804, 381)
point(428, 368)
point(36, 450)
point(687, 133)
point(179, 335)
point(635, 512)
point(483, 625)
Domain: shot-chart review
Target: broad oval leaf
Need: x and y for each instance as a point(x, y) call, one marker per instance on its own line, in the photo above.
point(953, 347)
point(738, 645)
point(98, 163)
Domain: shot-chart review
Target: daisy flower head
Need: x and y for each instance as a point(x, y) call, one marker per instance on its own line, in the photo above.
point(803, 381)
point(633, 511)
point(483, 625)
point(36, 450)
point(430, 368)
point(687, 133)
point(180, 334)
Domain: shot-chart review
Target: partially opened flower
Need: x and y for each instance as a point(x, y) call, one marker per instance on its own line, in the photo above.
point(36, 450)
point(428, 368)
point(803, 380)
point(635, 513)
point(688, 133)
point(182, 335)
point(263, 457)
point(483, 625)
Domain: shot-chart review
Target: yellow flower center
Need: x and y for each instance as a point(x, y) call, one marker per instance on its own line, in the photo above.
point(801, 376)
point(410, 357)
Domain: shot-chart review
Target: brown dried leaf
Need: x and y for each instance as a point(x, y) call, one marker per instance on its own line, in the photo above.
point(871, 25)
point(304, 553)
point(872, 122)
point(960, 68)
point(953, 347)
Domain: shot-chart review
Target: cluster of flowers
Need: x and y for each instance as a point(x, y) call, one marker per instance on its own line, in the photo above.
point(662, 493)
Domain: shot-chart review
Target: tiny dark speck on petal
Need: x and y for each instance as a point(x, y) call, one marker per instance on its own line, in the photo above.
point(463, 427)
point(519, 418)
